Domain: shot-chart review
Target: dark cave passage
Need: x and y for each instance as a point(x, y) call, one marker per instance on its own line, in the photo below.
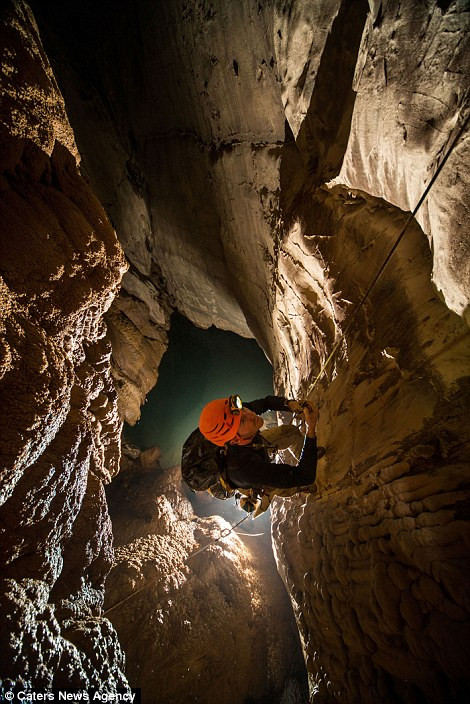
point(199, 365)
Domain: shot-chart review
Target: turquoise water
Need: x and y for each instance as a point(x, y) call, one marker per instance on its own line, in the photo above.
point(198, 366)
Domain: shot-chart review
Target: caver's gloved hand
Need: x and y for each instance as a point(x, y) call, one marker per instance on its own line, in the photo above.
point(295, 406)
point(309, 413)
point(310, 418)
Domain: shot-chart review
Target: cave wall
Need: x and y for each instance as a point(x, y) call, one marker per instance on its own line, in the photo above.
point(255, 159)
point(412, 97)
point(60, 440)
point(377, 561)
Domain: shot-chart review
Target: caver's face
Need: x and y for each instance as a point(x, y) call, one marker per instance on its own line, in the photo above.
point(250, 423)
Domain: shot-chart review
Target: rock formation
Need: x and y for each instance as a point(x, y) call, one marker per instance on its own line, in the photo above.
point(60, 440)
point(212, 621)
point(257, 161)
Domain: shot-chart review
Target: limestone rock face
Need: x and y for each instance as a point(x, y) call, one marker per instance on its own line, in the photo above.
point(60, 440)
point(197, 146)
point(410, 106)
point(387, 516)
point(213, 626)
point(136, 354)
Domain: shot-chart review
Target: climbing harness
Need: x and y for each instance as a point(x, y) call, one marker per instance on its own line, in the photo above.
point(223, 534)
point(388, 257)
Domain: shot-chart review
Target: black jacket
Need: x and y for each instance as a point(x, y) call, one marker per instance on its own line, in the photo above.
point(248, 466)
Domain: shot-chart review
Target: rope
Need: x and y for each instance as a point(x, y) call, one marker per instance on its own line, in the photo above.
point(224, 534)
point(389, 256)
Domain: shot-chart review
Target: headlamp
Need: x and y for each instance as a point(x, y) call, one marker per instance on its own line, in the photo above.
point(235, 405)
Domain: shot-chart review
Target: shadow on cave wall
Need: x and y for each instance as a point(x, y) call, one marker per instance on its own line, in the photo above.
point(316, 156)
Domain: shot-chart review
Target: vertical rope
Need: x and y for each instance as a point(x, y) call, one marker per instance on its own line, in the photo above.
point(389, 255)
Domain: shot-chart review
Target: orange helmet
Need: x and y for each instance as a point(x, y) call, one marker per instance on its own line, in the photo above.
point(220, 420)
